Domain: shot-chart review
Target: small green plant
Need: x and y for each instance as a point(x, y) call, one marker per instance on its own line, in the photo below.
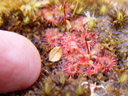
point(119, 18)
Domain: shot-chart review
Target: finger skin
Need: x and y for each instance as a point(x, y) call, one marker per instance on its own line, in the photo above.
point(20, 63)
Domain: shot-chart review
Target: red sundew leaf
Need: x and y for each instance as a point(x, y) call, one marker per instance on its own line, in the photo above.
point(84, 61)
point(78, 24)
point(88, 47)
point(48, 15)
point(69, 43)
point(71, 69)
point(91, 69)
point(65, 18)
point(90, 38)
point(107, 62)
point(52, 36)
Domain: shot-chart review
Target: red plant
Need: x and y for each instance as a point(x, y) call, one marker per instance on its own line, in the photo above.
point(107, 62)
point(88, 39)
point(58, 14)
point(64, 13)
point(71, 68)
point(61, 13)
point(69, 43)
point(78, 24)
point(48, 16)
point(81, 47)
point(84, 61)
point(92, 69)
point(93, 66)
point(52, 36)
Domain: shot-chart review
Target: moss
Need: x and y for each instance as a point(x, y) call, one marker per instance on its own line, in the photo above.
point(119, 18)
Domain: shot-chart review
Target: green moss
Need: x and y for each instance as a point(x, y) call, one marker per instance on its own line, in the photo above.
point(103, 10)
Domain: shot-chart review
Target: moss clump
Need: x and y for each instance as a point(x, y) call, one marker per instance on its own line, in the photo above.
point(119, 18)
